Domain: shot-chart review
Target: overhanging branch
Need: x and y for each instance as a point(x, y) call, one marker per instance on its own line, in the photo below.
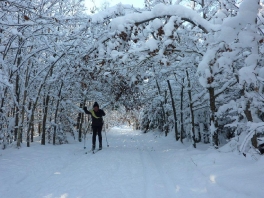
point(184, 19)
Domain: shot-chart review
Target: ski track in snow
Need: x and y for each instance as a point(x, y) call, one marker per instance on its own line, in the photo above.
point(135, 165)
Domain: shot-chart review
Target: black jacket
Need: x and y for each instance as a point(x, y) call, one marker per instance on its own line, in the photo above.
point(97, 119)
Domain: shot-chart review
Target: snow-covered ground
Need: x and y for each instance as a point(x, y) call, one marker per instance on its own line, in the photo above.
point(135, 165)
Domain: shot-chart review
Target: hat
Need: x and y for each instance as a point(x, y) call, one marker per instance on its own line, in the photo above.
point(96, 105)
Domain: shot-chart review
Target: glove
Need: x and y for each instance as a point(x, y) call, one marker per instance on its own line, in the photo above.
point(85, 108)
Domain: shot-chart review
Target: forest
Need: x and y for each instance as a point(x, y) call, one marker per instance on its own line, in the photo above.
point(194, 68)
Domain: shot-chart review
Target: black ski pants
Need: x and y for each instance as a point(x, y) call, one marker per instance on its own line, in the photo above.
point(97, 130)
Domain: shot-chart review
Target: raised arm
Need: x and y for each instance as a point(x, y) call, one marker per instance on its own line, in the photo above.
point(86, 111)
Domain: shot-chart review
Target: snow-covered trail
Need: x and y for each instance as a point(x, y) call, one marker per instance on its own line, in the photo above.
point(135, 165)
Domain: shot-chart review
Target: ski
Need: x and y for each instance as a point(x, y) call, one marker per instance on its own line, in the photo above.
point(95, 151)
point(88, 151)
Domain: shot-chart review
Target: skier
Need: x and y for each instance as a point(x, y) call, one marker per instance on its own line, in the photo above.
point(97, 123)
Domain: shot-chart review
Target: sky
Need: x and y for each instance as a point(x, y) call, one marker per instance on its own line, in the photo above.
point(135, 3)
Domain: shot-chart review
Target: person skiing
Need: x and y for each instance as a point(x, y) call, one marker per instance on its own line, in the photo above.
point(97, 123)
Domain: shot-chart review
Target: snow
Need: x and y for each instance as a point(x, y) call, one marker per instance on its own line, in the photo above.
point(2, 48)
point(246, 74)
point(169, 27)
point(156, 24)
point(253, 128)
point(236, 32)
point(232, 26)
point(252, 59)
point(135, 165)
point(161, 10)
point(203, 70)
point(152, 44)
point(14, 31)
point(114, 10)
point(115, 54)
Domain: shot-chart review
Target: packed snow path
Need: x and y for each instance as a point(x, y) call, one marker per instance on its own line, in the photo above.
point(135, 165)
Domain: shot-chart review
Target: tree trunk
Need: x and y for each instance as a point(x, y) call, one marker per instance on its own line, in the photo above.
point(16, 111)
point(39, 127)
point(79, 126)
point(163, 122)
point(18, 132)
point(44, 121)
point(32, 132)
point(166, 127)
point(25, 93)
point(248, 112)
point(80, 119)
point(182, 128)
point(1, 108)
point(191, 109)
point(213, 123)
point(174, 112)
point(56, 114)
point(29, 125)
point(43, 135)
point(18, 129)
point(39, 121)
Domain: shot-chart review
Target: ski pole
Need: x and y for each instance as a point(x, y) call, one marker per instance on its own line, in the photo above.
point(84, 147)
point(106, 137)
point(84, 142)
